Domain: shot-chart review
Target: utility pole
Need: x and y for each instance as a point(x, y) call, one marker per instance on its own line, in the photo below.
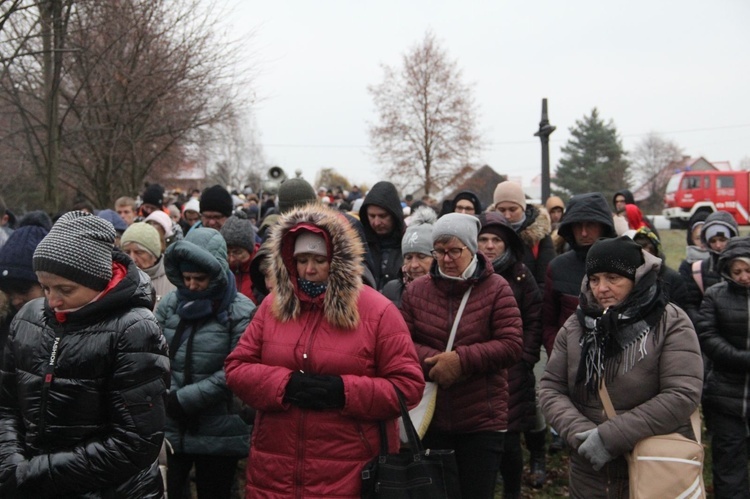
point(545, 130)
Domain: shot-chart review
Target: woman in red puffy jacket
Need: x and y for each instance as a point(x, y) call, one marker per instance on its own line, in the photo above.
point(319, 363)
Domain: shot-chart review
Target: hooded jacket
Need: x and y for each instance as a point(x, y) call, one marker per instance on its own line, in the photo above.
point(723, 326)
point(384, 250)
point(708, 267)
point(349, 330)
point(205, 339)
point(538, 247)
point(97, 428)
point(488, 341)
point(654, 396)
point(521, 381)
point(564, 273)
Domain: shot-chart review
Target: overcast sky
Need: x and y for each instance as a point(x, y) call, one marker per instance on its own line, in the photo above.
point(680, 68)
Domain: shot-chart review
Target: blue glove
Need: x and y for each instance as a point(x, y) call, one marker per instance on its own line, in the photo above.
point(593, 449)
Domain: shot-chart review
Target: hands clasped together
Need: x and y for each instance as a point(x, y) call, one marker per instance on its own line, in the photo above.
point(315, 391)
point(593, 448)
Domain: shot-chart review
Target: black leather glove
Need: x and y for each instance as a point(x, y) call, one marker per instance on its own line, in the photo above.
point(186, 422)
point(312, 391)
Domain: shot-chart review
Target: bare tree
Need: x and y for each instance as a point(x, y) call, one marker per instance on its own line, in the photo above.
point(649, 159)
point(237, 153)
point(139, 82)
point(427, 120)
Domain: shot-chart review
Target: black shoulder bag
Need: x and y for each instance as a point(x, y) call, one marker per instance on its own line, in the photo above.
point(413, 473)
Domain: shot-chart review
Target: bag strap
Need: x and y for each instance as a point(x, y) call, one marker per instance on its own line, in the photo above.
point(415, 444)
point(698, 273)
point(460, 312)
point(609, 410)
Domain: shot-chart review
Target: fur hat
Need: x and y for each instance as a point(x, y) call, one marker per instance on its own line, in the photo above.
point(309, 242)
point(154, 194)
point(459, 225)
point(79, 248)
point(239, 232)
point(295, 192)
point(511, 192)
point(216, 198)
point(16, 255)
point(145, 235)
point(418, 235)
point(620, 256)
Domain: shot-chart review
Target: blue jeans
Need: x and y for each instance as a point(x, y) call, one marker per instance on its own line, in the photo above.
point(478, 456)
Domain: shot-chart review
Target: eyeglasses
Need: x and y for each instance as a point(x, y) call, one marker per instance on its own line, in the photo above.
point(452, 253)
point(216, 218)
point(464, 209)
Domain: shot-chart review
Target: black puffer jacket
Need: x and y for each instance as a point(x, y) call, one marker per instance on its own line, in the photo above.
point(384, 250)
point(723, 327)
point(97, 430)
point(521, 380)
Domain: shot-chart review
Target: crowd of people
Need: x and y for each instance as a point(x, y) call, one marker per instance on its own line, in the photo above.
point(151, 347)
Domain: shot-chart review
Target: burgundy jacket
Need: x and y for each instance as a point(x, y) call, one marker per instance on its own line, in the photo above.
point(488, 341)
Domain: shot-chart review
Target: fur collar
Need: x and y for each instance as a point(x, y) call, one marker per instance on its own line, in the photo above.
point(339, 302)
point(538, 228)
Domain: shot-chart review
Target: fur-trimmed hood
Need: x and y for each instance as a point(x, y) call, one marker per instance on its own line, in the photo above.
point(345, 249)
point(538, 225)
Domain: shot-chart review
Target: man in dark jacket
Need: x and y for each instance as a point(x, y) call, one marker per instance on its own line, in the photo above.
point(383, 220)
point(586, 220)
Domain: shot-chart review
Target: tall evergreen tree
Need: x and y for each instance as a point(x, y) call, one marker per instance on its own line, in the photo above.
point(593, 159)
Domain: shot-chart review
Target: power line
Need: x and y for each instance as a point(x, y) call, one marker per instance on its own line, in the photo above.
point(509, 142)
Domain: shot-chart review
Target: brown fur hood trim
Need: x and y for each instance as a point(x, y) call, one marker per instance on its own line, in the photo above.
point(344, 280)
point(538, 229)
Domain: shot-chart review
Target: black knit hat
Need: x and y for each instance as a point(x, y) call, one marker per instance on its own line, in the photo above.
point(294, 193)
point(17, 253)
point(154, 194)
point(620, 256)
point(216, 198)
point(239, 232)
point(78, 248)
point(470, 197)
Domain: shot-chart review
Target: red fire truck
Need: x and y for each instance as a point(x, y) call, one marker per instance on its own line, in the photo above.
point(692, 191)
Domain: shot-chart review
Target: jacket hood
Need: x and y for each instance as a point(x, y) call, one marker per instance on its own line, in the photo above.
point(537, 226)
point(206, 249)
point(719, 218)
point(339, 302)
point(629, 199)
point(589, 207)
point(736, 247)
point(495, 221)
point(384, 195)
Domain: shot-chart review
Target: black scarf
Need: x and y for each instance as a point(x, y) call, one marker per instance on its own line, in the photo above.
point(616, 337)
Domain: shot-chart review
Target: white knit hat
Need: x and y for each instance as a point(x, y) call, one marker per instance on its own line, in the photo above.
point(309, 242)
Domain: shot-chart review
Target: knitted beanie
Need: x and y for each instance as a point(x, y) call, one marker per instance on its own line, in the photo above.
point(470, 197)
point(216, 198)
point(78, 248)
point(154, 194)
point(145, 235)
point(192, 205)
point(418, 235)
point(511, 192)
point(459, 225)
point(294, 193)
point(309, 242)
point(16, 255)
point(163, 220)
point(620, 256)
point(239, 232)
point(719, 229)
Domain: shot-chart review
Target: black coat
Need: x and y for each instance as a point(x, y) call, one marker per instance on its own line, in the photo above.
point(724, 333)
point(385, 251)
point(96, 431)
